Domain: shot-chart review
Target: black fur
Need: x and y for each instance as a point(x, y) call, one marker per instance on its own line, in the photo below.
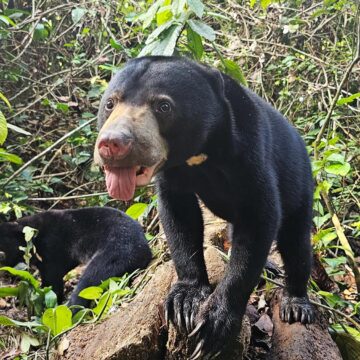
point(108, 240)
point(257, 176)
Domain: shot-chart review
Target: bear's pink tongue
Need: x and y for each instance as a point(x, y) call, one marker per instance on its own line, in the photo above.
point(120, 182)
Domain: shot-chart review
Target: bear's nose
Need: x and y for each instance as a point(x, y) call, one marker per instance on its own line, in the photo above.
point(114, 145)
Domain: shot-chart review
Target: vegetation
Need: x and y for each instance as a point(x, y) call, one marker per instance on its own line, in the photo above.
point(56, 60)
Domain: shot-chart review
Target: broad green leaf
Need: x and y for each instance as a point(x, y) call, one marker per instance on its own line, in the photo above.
point(163, 15)
point(166, 46)
point(23, 275)
point(77, 14)
point(91, 293)
point(57, 319)
point(252, 3)
point(195, 43)
point(197, 7)
point(335, 262)
point(320, 220)
point(148, 49)
point(156, 33)
point(202, 29)
point(29, 233)
point(338, 169)
point(334, 157)
point(233, 69)
point(136, 210)
point(5, 156)
point(348, 99)
point(9, 291)
point(50, 299)
point(3, 128)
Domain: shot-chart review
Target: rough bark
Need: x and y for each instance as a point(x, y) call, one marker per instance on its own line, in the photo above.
point(298, 342)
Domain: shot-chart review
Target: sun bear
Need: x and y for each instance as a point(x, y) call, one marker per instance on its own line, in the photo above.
point(206, 137)
point(106, 239)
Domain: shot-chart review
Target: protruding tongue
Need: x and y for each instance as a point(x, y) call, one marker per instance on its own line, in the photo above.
point(120, 182)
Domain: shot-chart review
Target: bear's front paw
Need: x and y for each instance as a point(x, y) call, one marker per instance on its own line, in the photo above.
point(217, 324)
point(183, 302)
point(294, 309)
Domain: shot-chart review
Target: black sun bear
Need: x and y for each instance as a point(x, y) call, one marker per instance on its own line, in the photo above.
point(109, 241)
point(205, 136)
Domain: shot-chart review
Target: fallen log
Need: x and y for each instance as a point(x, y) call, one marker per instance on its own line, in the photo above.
point(298, 342)
point(138, 331)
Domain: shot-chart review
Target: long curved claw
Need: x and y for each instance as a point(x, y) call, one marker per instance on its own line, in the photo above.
point(198, 351)
point(197, 328)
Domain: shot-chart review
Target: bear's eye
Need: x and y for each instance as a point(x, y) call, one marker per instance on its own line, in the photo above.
point(109, 104)
point(163, 107)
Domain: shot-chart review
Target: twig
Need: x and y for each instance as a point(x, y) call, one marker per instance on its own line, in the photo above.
point(61, 198)
point(338, 91)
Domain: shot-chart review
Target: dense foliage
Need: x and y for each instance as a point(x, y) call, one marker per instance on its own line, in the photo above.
point(57, 58)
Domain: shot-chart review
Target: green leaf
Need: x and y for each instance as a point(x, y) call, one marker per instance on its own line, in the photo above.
point(320, 220)
point(5, 156)
point(167, 45)
point(335, 157)
point(177, 7)
point(323, 186)
point(40, 32)
point(9, 291)
point(202, 29)
point(91, 293)
point(233, 69)
point(29, 233)
point(156, 33)
point(163, 15)
point(5, 321)
point(77, 14)
point(3, 128)
point(338, 169)
point(195, 43)
point(335, 262)
point(57, 319)
point(5, 100)
point(7, 20)
point(104, 304)
point(150, 14)
point(265, 3)
point(23, 275)
point(115, 45)
point(136, 210)
point(348, 99)
point(333, 300)
point(197, 7)
point(50, 299)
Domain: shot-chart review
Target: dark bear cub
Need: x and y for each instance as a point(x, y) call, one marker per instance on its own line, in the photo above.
point(107, 239)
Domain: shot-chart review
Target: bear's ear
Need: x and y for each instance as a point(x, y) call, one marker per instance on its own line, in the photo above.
point(220, 84)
